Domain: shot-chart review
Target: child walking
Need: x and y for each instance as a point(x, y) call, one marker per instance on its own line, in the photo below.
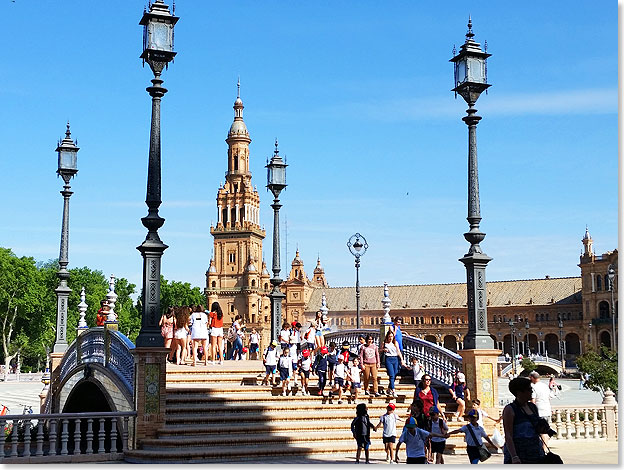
point(270, 363)
point(320, 368)
point(354, 375)
point(473, 435)
point(340, 374)
point(414, 439)
point(438, 426)
point(360, 428)
point(285, 369)
point(305, 364)
point(389, 420)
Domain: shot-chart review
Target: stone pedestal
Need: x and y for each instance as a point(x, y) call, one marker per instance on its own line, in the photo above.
point(610, 407)
point(150, 378)
point(383, 331)
point(55, 371)
point(482, 377)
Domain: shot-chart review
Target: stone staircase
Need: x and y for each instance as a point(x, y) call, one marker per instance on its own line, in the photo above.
point(221, 413)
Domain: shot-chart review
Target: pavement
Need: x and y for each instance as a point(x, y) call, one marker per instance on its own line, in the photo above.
point(15, 395)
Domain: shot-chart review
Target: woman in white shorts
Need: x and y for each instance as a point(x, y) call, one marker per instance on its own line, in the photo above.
point(199, 332)
point(181, 333)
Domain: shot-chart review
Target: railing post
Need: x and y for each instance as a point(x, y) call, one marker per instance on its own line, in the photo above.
point(586, 423)
point(596, 424)
point(113, 436)
point(577, 424)
point(89, 436)
point(568, 423)
point(101, 437)
point(124, 434)
point(39, 450)
point(558, 424)
point(27, 438)
point(2, 438)
point(52, 450)
point(77, 436)
point(14, 440)
point(64, 436)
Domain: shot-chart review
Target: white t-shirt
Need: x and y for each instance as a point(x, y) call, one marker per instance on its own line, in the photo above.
point(479, 433)
point(541, 394)
point(254, 338)
point(414, 445)
point(285, 336)
point(306, 363)
point(439, 427)
point(482, 415)
point(285, 362)
point(389, 424)
point(293, 352)
point(390, 349)
point(354, 372)
point(340, 371)
point(417, 370)
point(199, 325)
point(309, 334)
point(295, 337)
point(270, 357)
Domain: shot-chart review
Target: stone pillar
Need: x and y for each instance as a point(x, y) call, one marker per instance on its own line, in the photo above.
point(610, 405)
point(55, 371)
point(480, 367)
point(150, 381)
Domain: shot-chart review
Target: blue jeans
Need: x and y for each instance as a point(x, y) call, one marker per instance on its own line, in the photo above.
point(392, 367)
point(237, 348)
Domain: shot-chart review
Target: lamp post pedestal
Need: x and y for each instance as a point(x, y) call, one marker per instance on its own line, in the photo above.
point(478, 336)
point(480, 368)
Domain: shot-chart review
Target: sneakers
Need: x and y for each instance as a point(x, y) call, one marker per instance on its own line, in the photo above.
point(377, 394)
point(340, 402)
point(284, 393)
point(388, 460)
point(320, 393)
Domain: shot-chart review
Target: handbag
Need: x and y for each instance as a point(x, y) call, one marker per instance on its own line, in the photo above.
point(550, 457)
point(484, 453)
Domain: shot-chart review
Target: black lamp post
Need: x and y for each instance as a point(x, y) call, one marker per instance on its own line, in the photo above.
point(561, 344)
point(590, 333)
point(276, 182)
point(513, 349)
point(527, 348)
point(611, 274)
point(470, 81)
point(357, 246)
point(67, 168)
point(158, 25)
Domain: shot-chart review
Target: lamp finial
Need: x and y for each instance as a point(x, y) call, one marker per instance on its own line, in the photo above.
point(469, 34)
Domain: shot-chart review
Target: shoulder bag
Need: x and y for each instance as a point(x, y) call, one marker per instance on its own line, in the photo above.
point(484, 453)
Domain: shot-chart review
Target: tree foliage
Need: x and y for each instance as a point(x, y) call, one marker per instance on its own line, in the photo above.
point(528, 365)
point(28, 305)
point(602, 369)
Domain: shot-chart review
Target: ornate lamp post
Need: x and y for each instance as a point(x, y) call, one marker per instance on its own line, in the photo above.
point(527, 348)
point(158, 25)
point(561, 344)
point(470, 81)
point(590, 334)
point(67, 168)
point(513, 349)
point(611, 288)
point(357, 246)
point(276, 182)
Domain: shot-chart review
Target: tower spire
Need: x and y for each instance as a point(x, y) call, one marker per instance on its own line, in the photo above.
point(238, 88)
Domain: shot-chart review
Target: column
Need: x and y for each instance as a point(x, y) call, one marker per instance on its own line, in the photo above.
point(219, 215)
point(236, 218)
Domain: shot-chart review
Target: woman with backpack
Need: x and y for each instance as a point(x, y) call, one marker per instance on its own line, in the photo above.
point(216, 332)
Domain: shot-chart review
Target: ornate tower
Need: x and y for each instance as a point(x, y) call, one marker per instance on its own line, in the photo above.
point(233, 278)
point(319, 275)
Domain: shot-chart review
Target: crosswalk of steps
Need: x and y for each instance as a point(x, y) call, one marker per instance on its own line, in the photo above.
point(221, 413)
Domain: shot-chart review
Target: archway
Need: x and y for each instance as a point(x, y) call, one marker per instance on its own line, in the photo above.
point(573, 344)
point(450, 342)
point(552, 345)
point(605, 339)
point(507, 344)
point(431, 339)
point(87, 396)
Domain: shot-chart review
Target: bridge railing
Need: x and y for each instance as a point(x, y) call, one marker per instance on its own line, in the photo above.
point(64, 437)
point(439, 362)
point(539, 360)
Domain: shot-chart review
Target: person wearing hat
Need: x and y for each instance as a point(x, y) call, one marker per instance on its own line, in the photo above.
point(388, 420)
point(305, 364)
point(460, 393)
point(269, 359)
point(439, 426)
point(473, 435)
point(414, 439)
point(320, 368)
point(340, 375)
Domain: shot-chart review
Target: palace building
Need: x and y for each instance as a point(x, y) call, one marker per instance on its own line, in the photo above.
point(239, 280)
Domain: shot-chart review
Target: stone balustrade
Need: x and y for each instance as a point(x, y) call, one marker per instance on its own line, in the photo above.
point(585, 422)
point(64, 437)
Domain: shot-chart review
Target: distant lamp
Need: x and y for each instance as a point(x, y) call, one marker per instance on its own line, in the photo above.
point(276, 173)
point(158, 25)
point(67, 157)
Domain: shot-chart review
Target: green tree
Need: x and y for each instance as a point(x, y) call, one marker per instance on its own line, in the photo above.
point(173, 293)
point(127, 313)
point(528, 365)
point(602, 369)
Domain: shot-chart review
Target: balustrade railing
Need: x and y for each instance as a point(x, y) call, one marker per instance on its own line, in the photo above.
point(439, 362)
point(583, 421)
point(64, 437)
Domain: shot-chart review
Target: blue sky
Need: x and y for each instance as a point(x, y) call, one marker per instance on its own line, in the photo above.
point(358, 94)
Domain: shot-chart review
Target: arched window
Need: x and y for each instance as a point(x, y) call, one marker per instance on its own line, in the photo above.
point(296, 273)
point(253, 283)
point(569, 315)
point(599, 282)
point(603, 309)
point(214, 284)
point(422, 320)
point(442, 320)
point(432, 320)
point(537, 317)
point(266, 286)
